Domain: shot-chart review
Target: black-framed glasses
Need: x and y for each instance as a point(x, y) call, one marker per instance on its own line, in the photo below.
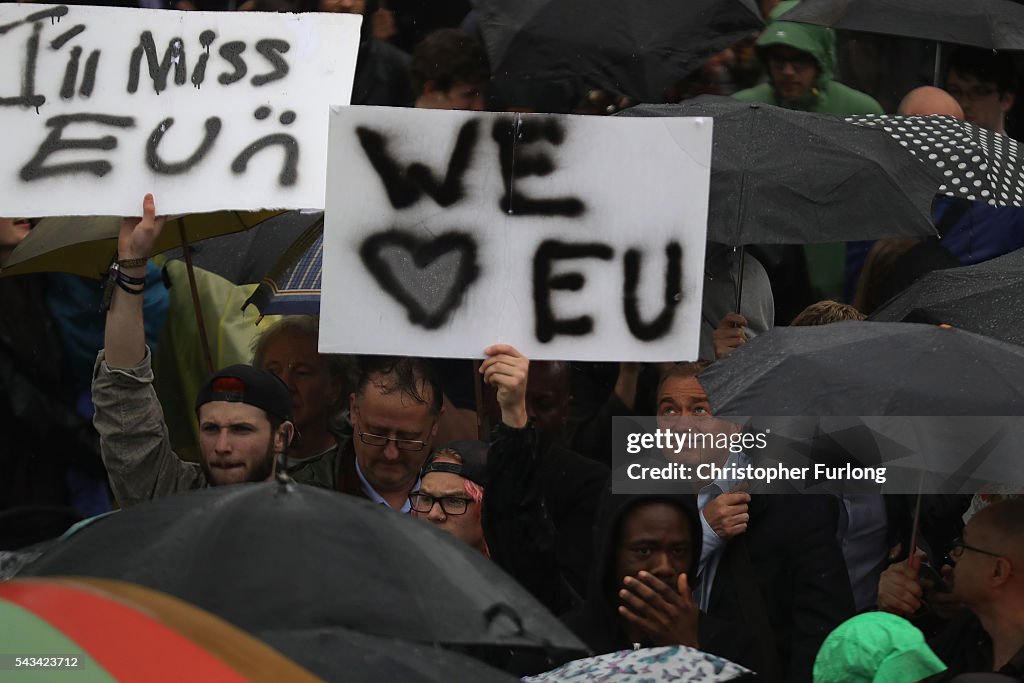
point(956, 550)
point(452, 505)
point(400, 444)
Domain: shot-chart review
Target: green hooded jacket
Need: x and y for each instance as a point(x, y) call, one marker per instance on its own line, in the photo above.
point(828, 96)
point(825, 262)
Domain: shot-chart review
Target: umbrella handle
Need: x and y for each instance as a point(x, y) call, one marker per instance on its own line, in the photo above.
point(203, 339)
point(739, 281)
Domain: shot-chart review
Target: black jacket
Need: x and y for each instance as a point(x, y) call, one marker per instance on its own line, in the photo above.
point(597, 622)
point(790, 555)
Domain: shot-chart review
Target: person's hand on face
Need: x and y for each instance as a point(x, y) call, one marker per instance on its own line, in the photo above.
point(666, 615)
point(728, 514)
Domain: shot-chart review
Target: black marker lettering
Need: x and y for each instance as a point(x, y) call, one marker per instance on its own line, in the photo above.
point(61, 40)
point(54, 143)
point(57, 12)
point(511, 134)
point(289, 173)
point(158, 165)
point(404, 187)
point(28, 97)
point(67, 90)
point(272, 50)
point(89, 79)
point(660, 326)
point(424, 254)
point(232, 52)
point(174, 56)
point(546, 325)
point(206, 39)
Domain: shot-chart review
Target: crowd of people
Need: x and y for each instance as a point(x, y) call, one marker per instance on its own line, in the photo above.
point(795, 587)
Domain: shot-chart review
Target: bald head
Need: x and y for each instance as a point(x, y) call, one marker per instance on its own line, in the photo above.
point(1004, 523)
point(928, 100)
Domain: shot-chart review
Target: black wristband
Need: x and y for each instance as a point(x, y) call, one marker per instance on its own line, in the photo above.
point(128, 289)
point(121, 277)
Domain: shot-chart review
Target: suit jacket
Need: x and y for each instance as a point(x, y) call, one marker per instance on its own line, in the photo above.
point(798, 569)
point(346, 479)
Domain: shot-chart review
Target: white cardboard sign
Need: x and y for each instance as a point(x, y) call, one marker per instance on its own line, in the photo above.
point(569, 237)
point(206, 110)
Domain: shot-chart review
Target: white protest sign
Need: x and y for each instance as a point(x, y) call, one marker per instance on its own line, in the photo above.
point(206, 110)
point(599, 257)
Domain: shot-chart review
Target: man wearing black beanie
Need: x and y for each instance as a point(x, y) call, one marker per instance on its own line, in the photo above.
point(245, 413)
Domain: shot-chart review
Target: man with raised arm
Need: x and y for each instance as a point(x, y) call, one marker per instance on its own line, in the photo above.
point(245, 414)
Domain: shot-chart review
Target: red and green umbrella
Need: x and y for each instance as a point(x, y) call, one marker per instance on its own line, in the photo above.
point(116, 631)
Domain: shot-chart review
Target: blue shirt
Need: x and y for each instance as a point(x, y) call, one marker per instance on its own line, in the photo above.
point(712, 545)
point(372, 494)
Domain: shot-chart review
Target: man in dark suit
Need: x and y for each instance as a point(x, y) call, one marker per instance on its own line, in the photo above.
point(770, 562)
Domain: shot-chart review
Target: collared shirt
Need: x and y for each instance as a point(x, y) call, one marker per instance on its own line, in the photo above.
point(712, 544)
point(863, 535)
point(372, 494)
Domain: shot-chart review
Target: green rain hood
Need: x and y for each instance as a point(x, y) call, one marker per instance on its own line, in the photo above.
point(828, 96)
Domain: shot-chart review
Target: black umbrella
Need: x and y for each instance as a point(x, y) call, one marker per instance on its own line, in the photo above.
point(630, 48)
point(336, 654)
point(985, 298)
point(246, 257)
point(868, 368)
point(286, 559)
point(975, 163)
point(780, 176)
point(989, 24)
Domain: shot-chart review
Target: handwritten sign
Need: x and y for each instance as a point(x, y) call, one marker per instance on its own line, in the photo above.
point(207, 110)
point(569, 237)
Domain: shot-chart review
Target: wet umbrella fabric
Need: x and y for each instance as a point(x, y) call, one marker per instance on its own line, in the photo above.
point(983, 298)
point(337, 654)
point(989, 24)
point(86, 245)
point(975, 163)
point(281, 557)
point(635, 49)
point(780, 176)
point(868, 368)
point(246, 257)
point(119, 631)
point(292, 285)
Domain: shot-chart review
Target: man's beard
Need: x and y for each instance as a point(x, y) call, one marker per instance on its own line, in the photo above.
point(258, 471)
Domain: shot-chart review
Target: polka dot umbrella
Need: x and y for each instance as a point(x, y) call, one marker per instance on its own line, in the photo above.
point(975, 163)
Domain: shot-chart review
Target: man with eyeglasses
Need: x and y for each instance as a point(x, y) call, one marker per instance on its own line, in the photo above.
point(985, 85)
point(394, 412)
point(987, 578)
point(801, 63)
